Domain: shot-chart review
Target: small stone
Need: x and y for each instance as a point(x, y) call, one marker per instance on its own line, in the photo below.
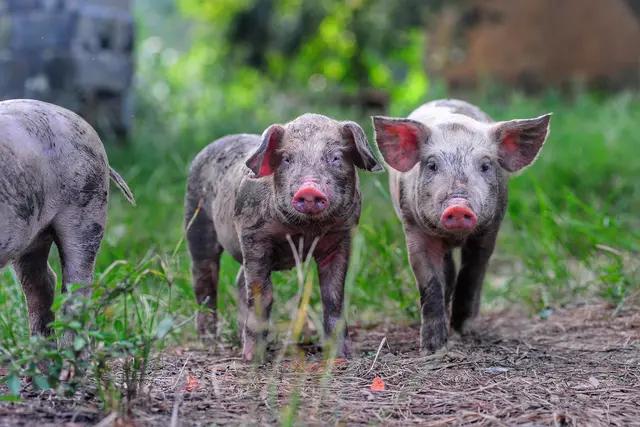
point(495, 370)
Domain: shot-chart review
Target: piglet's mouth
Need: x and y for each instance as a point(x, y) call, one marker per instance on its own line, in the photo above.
point(310, 200)
point(458, 216)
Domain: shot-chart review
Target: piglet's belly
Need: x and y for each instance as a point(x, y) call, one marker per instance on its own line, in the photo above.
point(229, 241)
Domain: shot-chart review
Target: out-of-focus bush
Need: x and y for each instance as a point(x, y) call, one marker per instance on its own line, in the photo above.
point(258, 61)
point(357, 44)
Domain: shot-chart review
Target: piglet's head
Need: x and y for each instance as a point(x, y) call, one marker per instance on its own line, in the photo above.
point(312, 161)
point(461, 166)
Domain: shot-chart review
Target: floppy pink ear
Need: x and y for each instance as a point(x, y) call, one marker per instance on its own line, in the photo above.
point(520, 141)
point(399, 141)
point(263, 161)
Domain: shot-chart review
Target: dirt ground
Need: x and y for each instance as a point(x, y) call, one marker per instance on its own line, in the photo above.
point(580, 366)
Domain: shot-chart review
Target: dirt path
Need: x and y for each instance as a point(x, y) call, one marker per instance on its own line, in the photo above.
point(581, 366)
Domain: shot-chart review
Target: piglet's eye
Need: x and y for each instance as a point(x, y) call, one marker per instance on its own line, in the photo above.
point(335, 158)
point(286, 159)
point(485, 166)
point(432, 166)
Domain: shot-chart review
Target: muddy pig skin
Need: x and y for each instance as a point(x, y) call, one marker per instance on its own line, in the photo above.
point(54, 183)
point(448, 168)
point(247, 193)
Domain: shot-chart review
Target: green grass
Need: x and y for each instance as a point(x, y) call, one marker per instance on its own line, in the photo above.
point(572, 231)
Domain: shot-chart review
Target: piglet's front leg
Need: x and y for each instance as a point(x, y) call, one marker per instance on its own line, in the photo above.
point(255, 296)
point(332, 257)
point(466, 300)
point(426, 256)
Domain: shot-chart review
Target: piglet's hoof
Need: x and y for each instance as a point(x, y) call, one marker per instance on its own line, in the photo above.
point(247, 352)
point(254, 350)
point(207, 327)
point(434, 355)
point(434, 336)
point(346, 350)
point(465, 328)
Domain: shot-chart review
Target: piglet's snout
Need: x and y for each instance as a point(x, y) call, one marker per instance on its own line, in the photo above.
point(458, 216)
point(309, 199)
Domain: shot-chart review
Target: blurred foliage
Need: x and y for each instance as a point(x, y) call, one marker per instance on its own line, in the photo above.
point(264, 58)
point(355, 44)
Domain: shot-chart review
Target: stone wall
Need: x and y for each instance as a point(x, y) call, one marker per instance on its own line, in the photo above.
point(75, 53)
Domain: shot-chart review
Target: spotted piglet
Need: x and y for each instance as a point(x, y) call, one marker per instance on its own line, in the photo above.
point(449, 164)
point(251, 194)
point(54, 186)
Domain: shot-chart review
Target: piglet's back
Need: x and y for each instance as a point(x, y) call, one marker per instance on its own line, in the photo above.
point(55, 131)
point(446, 107)
point(220, 162)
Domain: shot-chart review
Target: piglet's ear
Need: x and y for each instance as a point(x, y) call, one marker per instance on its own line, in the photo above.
point(399, 141)
point(263, 161)
point(363, 158)
point(520, 141)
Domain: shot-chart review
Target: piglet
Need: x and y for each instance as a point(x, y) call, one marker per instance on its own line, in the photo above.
point(448, 169)
point(54, 186)
point(251, 194)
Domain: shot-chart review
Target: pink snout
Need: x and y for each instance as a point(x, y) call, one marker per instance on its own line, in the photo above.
point(458, 217)
point(309, 200)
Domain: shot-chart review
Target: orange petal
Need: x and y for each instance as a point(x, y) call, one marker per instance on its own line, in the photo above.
point(192, 383)
point(377, 384)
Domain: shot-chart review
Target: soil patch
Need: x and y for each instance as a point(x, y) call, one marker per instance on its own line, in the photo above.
point(579, 366)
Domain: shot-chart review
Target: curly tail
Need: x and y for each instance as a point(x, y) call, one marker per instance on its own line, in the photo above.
point(122, 185)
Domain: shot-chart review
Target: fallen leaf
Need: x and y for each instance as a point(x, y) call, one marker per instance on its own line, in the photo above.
point(192, 384)
point(377, 384)
point(340, 361)
point(314, 367)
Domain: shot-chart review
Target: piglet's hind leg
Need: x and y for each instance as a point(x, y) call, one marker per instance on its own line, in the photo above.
point(38, 282)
